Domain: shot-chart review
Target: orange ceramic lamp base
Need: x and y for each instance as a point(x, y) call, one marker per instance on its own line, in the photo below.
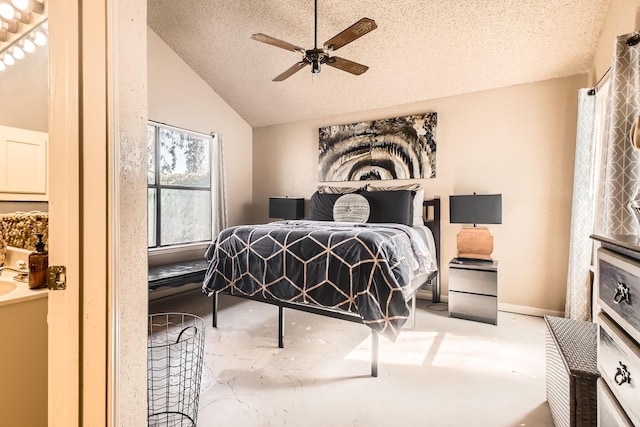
point(475, 243)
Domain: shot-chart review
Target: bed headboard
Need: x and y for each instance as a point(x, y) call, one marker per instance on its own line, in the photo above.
point(431, 216)
point(432, 220)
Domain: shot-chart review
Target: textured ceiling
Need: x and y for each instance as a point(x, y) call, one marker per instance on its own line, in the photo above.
point(421, 49)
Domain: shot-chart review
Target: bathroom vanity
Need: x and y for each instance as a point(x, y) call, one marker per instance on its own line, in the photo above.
point(23, 349)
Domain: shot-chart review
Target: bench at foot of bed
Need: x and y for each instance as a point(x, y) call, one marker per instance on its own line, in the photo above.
point(177, 274)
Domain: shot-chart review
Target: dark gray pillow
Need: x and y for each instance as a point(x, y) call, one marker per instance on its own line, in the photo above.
point(390, 206)
point(321, 206)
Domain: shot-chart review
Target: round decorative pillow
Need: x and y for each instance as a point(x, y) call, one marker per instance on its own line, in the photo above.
point(351, 208)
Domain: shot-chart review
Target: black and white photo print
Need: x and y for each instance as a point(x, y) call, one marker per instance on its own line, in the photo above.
point(399, 148)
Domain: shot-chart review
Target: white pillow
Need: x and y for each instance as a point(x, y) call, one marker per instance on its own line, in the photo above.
point(418, 200)
point(351, 208)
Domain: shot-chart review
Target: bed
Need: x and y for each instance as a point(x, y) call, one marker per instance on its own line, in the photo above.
point(360, 272)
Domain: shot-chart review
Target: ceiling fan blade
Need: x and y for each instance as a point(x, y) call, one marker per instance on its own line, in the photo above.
point(346, 65)
point(291, 71)
point(276, 42)
point(357, 30)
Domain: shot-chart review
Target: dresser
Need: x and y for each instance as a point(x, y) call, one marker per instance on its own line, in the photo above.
point(618, 318)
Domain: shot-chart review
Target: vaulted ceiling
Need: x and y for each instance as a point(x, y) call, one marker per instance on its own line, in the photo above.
point(422, 49)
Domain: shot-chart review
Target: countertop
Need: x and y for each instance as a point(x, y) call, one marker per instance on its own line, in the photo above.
point(21, 293)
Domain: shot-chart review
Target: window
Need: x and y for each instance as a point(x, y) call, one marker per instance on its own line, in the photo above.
point(179, 175)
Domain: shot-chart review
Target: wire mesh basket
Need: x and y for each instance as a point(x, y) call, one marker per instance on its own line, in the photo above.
point(175, 348)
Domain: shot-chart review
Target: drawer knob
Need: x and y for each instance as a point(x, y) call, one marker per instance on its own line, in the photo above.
point(622, 293)
point(622, 375)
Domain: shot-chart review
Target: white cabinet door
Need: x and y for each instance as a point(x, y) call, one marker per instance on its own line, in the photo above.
point(23, 164)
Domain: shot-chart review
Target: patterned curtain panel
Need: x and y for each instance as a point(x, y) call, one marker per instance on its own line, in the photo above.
point(220, 218)
point(578, 305)
point(620, 172)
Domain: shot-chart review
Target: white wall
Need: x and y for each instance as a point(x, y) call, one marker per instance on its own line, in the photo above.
point(179, 97)
point(8, 207)
point(518, 141)
point(129, 209)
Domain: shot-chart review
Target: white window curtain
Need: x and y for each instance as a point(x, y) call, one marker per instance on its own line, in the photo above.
point(607, 171)
point(620, 164)
point(219, 187)
point(578, 303)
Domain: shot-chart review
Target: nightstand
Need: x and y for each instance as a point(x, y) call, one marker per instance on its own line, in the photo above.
point(473, 290)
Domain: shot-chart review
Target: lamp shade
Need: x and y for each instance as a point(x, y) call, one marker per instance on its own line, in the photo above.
point(475, 209)
point(286, 207)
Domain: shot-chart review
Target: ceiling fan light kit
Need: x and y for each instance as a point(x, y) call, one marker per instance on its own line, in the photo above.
point(318, 56)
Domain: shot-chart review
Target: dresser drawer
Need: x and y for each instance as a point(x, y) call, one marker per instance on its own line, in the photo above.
point(619, 366)
point(610, 414)
point(619, 290)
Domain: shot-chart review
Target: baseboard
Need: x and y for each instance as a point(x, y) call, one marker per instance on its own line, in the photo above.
point(509, 308)
point(529, 311)
point(424, 294)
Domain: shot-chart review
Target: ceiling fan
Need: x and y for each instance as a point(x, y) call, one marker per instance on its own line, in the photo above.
point(317, 56)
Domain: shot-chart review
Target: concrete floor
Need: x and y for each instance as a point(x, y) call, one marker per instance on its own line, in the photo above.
point(445, 372)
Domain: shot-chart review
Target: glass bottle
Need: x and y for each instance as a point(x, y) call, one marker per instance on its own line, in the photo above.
point(38, 265)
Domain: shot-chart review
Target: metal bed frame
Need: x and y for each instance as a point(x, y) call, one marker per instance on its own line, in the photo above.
point(431, 215)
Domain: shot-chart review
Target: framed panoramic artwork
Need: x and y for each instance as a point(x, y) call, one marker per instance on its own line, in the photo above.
point(399, 148)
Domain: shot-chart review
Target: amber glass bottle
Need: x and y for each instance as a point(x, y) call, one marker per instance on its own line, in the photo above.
point(38, 265)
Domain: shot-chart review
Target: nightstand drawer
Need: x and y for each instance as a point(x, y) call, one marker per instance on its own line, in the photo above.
point(473, 281)
point(619, 366)
point(482, 308)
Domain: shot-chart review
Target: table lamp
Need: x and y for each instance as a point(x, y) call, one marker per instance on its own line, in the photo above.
point(475, 242)
point(286, 207)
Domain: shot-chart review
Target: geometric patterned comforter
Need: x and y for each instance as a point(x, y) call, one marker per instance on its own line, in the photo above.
point(360, 268)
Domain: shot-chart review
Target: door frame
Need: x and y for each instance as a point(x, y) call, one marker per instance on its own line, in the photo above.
point(97, 207)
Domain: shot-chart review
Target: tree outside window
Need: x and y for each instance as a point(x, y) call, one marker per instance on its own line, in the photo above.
point(179, 186)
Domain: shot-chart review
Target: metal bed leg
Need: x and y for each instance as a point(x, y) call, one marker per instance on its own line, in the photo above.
point(280, 326)
point(214, 320)
point(374, 353)
point(435, 294)
point(413, 311)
